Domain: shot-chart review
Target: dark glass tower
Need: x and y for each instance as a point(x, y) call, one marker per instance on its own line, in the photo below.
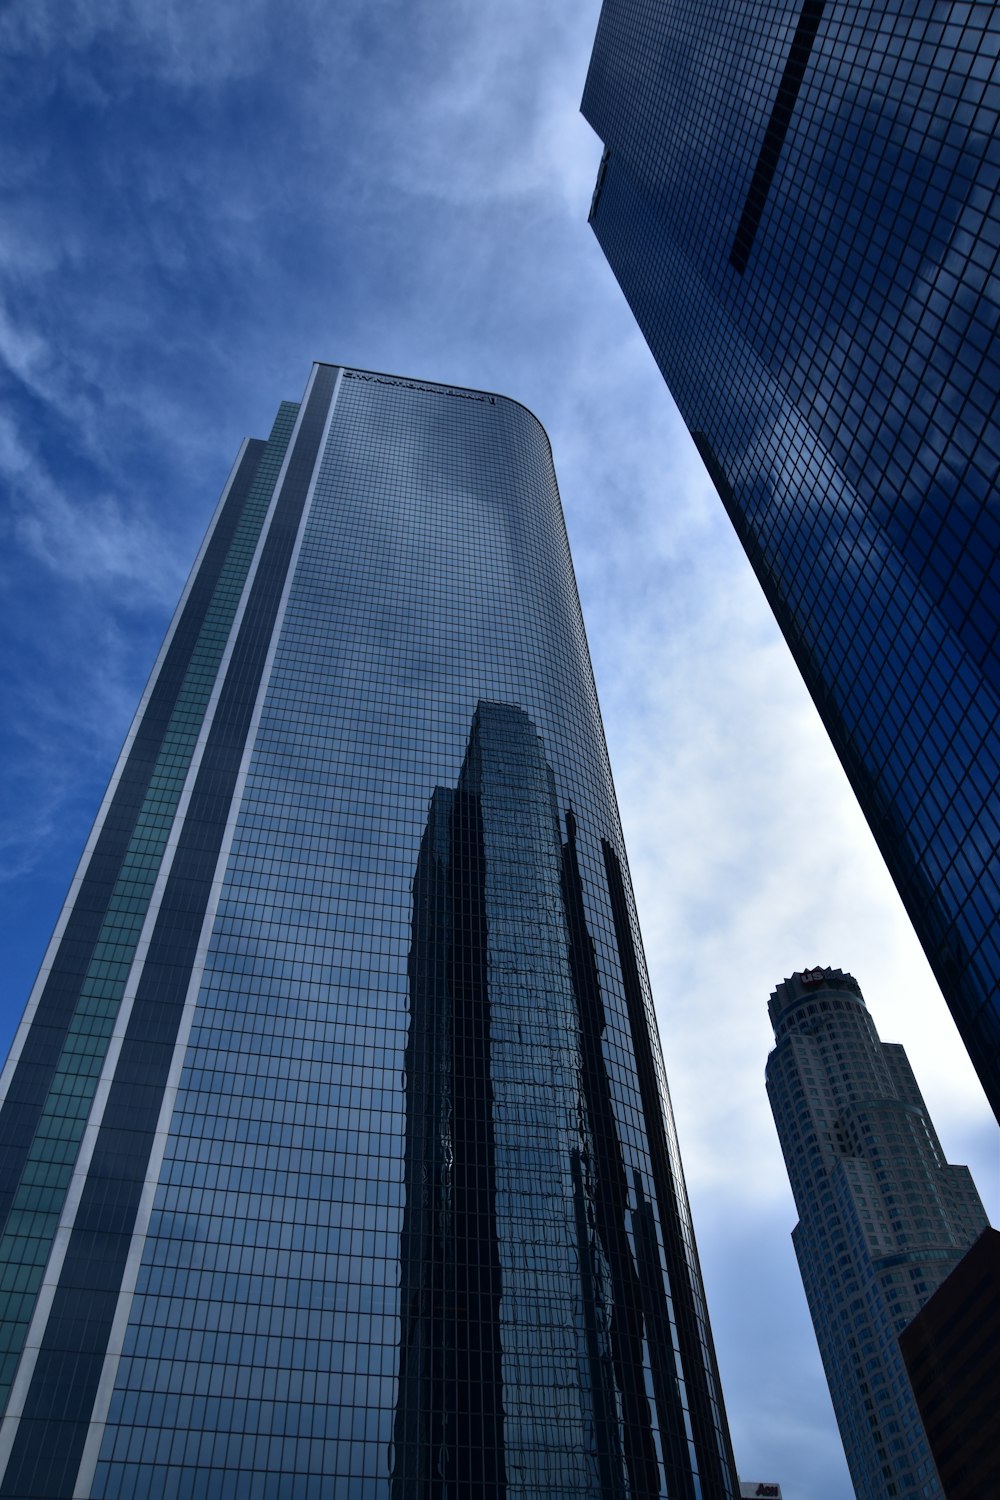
point(883, 1217)
point(337, 1157)
point(799, 202)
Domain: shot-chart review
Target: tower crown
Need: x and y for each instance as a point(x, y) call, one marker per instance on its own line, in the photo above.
point(804, 985)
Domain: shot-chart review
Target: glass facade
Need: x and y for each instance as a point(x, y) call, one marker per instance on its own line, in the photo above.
point(338, 1149)
point(799, 202)
point(883, 1218)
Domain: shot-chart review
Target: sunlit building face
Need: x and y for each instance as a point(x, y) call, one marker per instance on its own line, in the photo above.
point(339, 1154)
point(883, 1217)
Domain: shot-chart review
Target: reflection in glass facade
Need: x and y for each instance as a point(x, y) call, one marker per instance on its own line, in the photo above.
point(883, 1217)
point(799, 202)
point(337, 1152)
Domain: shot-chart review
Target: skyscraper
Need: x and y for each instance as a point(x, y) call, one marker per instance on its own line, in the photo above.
point(338, 1154)
point(883, 1218)
point(950, 1352)
point(799, 202)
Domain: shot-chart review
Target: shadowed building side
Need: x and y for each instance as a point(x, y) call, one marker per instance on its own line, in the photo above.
point(799, 203)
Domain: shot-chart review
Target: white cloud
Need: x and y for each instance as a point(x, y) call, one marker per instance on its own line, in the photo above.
point(104, 542)
point(412, 196)
point(187, 46)
point(14, 456)
point(24, 351)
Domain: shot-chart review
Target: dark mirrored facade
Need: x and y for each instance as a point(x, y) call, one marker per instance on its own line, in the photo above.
point(799, 202)
point(338, 1155)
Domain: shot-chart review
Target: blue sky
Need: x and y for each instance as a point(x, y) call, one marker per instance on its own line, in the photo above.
point(201, 200)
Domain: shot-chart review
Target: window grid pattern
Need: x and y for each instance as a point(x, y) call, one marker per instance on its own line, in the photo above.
point(842, 389)
point(432, 639)
point(37, 1202)
point(883, 1218)
point(50, 1434)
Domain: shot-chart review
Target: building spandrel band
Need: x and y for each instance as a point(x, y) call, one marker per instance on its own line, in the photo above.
point(800, 203)
point(338, 1155)
point(883, 1217)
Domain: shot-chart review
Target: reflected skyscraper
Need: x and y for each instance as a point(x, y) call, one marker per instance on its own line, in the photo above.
point(799, 202)
point(338, 1156)
point(883, 1217)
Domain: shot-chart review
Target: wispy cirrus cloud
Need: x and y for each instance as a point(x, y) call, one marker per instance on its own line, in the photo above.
point(108, 542)
point(199, 201)
point(187, 48)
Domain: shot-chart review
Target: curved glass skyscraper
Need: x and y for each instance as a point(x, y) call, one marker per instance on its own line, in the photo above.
point(338, 1156)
